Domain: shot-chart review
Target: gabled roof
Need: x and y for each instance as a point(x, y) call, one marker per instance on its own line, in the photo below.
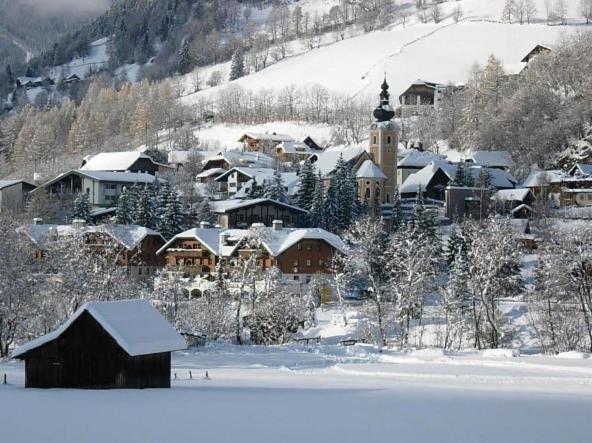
point(370, 170)
point(493, 159)
point(223, 206)
point(249, 172)
point(423, 177)
point(292, 147)
point(112, 161)
point(328, 158)
point(210, 172)
point(235, 157)
point(416, 159)
point(542, 178)
point(580, 169)
point(275, 242)
point(128, 236)
point(518, 194)
point(274, 137)
point(105, 176)
point(538, 48)
point(134, 324)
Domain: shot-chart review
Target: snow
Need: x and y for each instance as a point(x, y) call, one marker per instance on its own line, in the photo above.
point(369, 170)
point(237, 157)
point(500, 353)
point(112, 161)
point(576, 355)
point(328, 158)
point(275, 241)
point(119, 177)
point(417, 158)
point(493, 158)
point(356, 65)
point(317, 393)
point(134, 324)
point(96, 59)
point(129, 236)
point(518, 194)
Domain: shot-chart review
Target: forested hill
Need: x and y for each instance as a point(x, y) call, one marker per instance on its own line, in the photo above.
point(163, 31)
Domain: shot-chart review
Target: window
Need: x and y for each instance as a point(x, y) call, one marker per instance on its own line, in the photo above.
point(296, 277)
point(300, 246)
point(309, 263)
point(295, 263)
point(388, 139)
point(321, 263)
point(308, 247)
point(308, 279)
point(374, 140)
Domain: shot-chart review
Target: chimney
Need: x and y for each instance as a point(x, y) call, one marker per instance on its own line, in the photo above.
point(204, 225)
point(78, 223)
point(224, 238)
point(37, 221)
point(278, 225)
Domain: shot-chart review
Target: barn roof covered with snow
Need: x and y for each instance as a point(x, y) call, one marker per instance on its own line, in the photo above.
point(266, 136)
point(113, 161)
point(328, 158)
point(493, 159)
point(134, 324)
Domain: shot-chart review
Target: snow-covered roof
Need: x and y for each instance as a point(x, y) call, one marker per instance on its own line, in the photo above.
point(369, 170)
point(328, 158)
point(292, 147)
point(134, 324)
point(249, 172)
point(237, 157)
point(422, 178)
point(112, 161)
point(416, 159)
point(223, 242)
point(581, 169)
point(178, 157)
point(274, 137)
point(290, 180)
point(542, 178)
point(223, 206)
point(211, 172)
point(128, 236)
point(518, 194)
point(498, 159)
point(105, 176)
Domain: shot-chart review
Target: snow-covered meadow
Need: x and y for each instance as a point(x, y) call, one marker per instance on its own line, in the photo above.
point(318, 393)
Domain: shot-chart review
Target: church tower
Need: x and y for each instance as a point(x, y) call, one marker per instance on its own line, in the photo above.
point(384, 142)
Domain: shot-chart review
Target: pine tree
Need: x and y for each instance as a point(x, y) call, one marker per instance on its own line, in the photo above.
point(456, 244)
point(342, 196)
point(453, 300)
point(124, 208)
point(484, 180)
point(171, 214)
point(422, 220)
point(332, 211)
point(143, 212)
point(463, 176)
point(81, 209)
point(275, 189)
point(204, 211)
point(185, 62)
point(255, 190)
point(316, 216)
point(237, 65)
point(397, 219)
point(308, 183)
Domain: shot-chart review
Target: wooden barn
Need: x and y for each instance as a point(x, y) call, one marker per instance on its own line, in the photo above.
point(104, 345)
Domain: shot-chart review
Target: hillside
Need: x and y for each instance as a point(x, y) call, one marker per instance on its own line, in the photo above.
point(443, 52)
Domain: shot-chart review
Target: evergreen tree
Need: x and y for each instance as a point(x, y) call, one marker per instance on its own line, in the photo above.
point(185, 62)
point(316, 216)
point(237, 65)
point(308, 184)
point(171, 214)
point(143, 212)
point(81, 210)
point(463, 176)
point(124, 208)
point(342, 204)
point(422, 220)
point(255, 190)
point(397, 219)
point(331, 210)
point(456, 244)
point(275, 188)
point(204, 211)
point(484, 179)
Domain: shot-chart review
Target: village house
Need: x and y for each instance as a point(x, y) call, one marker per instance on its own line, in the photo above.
point(467, 202)
point(292, 151)
point(14, 194)
point(104, 345)
point(230, 158)
point(134, 245)
point(232, 182)
point(563, 189)
point(233, 214)
point(299, 253)
point(420, 97)
point(537, 50)
point(492, 159)
point(412, 161)
point(263, 142)
point(103, 188)
point(435, 177)
point(33, 82)
point(517, 203)
point(132, 161)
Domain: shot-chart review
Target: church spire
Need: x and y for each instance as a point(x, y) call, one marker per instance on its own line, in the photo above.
point(384, 112)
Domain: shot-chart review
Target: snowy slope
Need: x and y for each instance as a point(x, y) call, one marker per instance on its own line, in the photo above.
point(442, 52)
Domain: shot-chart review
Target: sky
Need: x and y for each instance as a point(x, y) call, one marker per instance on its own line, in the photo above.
point(53, 7)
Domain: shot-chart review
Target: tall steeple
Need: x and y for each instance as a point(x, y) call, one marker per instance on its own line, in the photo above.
point(384, 112)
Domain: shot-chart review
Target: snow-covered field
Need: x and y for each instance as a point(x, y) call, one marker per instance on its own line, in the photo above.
point(443, 52)
point(314, 394)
